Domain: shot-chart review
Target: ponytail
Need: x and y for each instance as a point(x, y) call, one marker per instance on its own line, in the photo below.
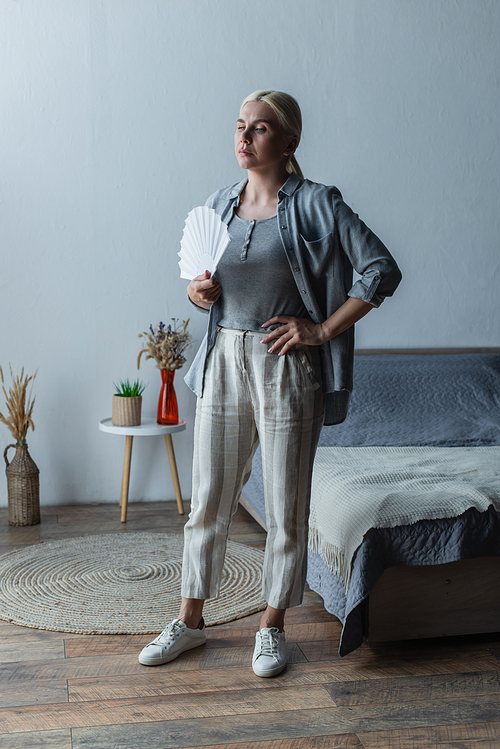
point(292, 165)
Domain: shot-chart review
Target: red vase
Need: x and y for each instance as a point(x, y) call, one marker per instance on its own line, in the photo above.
point(168, 413)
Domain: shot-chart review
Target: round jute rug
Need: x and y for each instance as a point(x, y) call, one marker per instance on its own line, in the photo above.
point(125, 583)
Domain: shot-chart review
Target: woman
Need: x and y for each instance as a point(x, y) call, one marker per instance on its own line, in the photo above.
point(275, 365)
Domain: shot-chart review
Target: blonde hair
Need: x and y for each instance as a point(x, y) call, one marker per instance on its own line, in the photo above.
point(289, 117)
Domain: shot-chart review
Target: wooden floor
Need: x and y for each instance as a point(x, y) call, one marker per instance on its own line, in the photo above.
point(70, 691)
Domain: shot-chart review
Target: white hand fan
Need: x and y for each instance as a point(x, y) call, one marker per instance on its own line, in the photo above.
point(203, 242)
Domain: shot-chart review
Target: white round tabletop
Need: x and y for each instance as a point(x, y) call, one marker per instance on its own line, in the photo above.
point(148, 428)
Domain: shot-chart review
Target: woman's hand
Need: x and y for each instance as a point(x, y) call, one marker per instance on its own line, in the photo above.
point(292, 331)
point(204, 290)
point(299, 330)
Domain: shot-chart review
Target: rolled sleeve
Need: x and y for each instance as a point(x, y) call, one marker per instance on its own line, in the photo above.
point(366, 290)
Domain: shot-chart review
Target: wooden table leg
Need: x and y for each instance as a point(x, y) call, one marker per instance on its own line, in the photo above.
point(126, 477)
point(175, 475)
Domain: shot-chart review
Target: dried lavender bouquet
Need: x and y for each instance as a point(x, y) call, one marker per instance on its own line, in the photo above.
point(166, 344)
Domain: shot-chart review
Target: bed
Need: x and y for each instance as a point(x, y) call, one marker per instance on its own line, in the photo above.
point(404, 535)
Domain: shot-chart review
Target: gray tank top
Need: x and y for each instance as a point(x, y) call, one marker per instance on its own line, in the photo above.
point(255, 275)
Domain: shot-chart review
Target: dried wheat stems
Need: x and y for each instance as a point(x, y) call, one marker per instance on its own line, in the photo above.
point(18, 418)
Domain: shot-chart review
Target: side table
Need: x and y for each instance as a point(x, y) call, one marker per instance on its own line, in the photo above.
point(148, 428)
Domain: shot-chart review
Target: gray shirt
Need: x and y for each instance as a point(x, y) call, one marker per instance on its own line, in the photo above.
point(323, 241)
point(256, 279)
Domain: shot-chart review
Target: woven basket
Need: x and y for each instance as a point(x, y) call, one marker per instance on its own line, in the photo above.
point(23, 487)
point(126, 411)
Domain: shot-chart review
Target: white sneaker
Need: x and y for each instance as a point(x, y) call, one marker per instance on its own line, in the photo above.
point(174, 640)
point(269, 655)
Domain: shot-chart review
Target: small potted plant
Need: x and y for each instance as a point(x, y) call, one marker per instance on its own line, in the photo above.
point(127, 403)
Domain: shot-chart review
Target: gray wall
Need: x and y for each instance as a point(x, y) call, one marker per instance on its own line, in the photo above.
point(117, 117)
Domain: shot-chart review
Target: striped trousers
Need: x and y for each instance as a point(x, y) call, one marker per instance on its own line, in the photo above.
point(251, 397)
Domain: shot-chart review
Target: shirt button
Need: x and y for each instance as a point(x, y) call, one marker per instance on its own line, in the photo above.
point(311, 312)
point(283, 227)
point(303, 291)
point(296, 270)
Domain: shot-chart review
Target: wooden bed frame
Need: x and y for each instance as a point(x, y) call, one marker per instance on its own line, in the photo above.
point(459, 598)
point(409, 603)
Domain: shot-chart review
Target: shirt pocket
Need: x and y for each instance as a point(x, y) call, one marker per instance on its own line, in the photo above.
point(319, 254)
